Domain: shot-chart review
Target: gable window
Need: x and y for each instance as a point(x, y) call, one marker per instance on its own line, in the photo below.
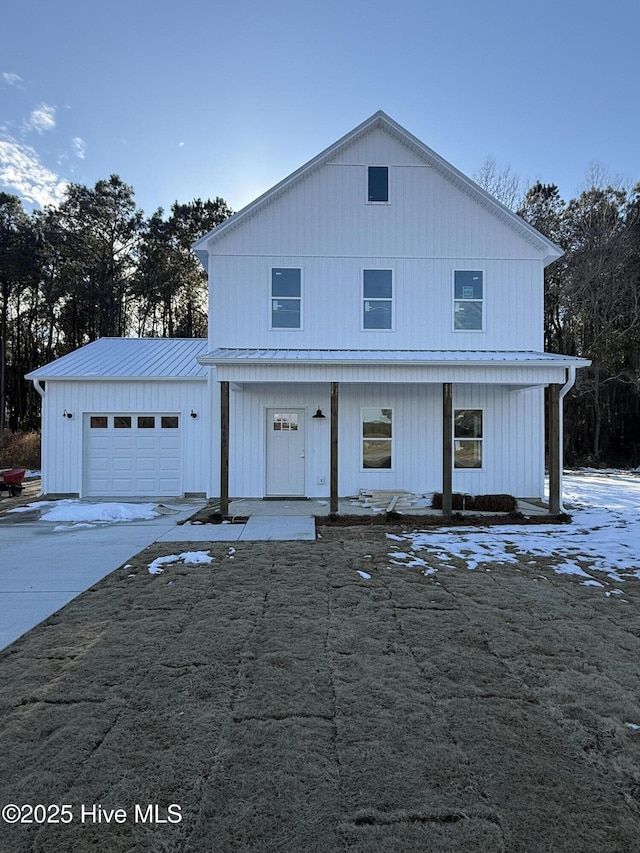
point(377, 298)
point(468, 299)
point(286, 298)
point(467, 438)
point(376, 438)
point(378, 183)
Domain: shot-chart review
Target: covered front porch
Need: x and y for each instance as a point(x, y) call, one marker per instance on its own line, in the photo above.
point(415, 421)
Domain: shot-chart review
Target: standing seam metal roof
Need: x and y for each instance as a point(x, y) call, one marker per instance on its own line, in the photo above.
point(129, 358)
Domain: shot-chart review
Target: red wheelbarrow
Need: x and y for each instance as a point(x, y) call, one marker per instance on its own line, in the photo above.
point(11, 481)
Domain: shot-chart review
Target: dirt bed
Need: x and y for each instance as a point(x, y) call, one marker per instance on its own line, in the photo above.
point(275, 700)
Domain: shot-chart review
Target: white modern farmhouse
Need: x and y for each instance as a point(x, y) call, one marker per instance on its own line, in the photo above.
point(375, 321)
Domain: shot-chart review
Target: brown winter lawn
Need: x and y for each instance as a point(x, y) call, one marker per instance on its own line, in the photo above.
point(284, 703)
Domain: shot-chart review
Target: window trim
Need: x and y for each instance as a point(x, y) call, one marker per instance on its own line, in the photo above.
point(454, 300)
point(392, 328)
point(300, 299)
point(366, 188)
point(361, 439)
point(481, 439)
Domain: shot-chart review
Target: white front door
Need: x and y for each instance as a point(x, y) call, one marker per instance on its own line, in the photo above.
point(285, 452)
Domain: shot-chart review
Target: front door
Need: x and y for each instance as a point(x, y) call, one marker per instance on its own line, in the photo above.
point(285, 453)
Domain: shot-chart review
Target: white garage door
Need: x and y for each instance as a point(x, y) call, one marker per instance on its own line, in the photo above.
point(132, 454)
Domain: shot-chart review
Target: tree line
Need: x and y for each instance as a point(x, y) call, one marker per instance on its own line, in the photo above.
point(95, 266)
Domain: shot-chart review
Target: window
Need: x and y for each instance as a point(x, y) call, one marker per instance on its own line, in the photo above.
point(122, 422)
point(467, 438)
point(146, 422)
point(169, 422)
point(376, 438)
point(377, 299)
point(467, 300)
point(286, 296)
point(285, 422)
point(99, 422)
point(378, 183)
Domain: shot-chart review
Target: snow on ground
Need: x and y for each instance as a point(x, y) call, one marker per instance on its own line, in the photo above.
point(188, 557)
point(603, 539)
point(77, 512)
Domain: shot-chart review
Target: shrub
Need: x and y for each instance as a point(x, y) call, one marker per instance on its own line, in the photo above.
point(478, 503)
point(20, 449)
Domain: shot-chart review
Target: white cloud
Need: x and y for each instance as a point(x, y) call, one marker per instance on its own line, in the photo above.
point(180, 144)
point(11, 79)
point(43, 118)
point(22, 172)
point(79, 147)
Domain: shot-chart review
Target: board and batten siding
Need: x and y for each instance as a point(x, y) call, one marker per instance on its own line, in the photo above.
point(332, 304)
point(62, 463)
point(513, 453)
point(428, 229)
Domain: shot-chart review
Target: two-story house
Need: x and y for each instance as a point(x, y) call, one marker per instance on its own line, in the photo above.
point(375, 321)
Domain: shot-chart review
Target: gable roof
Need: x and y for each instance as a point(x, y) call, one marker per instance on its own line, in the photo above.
point(382, 121)
point(129, 358)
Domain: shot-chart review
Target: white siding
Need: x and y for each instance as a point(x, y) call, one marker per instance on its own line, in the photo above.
point(461, 373)
point(332, 304)
point(325, 226)
point(513, 438)
point(62, 446)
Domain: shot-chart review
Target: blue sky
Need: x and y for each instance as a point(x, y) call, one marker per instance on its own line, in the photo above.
point(197, 99)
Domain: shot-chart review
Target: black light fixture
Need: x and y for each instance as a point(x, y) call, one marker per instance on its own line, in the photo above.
point(194, 415)
point(67, 414)
point(319, 414)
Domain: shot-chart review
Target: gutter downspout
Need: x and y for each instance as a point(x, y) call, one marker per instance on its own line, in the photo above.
point(571, 378)
point(41, 391)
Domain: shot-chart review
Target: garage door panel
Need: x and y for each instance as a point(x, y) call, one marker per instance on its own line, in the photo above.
point(132, 461)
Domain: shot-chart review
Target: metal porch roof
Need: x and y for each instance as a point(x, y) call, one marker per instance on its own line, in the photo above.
point(387, 357)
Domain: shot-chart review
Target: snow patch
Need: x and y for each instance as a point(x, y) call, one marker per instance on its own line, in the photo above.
point(188, 558)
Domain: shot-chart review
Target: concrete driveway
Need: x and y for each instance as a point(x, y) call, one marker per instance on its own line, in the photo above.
point(41, 570)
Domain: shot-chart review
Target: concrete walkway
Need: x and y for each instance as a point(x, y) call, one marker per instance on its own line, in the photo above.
point(258, 528)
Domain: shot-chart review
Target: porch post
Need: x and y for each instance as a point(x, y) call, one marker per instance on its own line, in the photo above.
point(224, 448)
point(333, 477)
point(447, 448)
point(554, 449)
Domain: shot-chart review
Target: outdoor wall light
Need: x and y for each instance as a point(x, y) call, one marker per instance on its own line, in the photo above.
point(194, 415)
point(319, 414)
point(67, 414)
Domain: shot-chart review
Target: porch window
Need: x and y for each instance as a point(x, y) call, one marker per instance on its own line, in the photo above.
point(286, 298)
point(377, 298)
point(377, 438)
point(378, 183)
point(468, 300)
point(467, 438)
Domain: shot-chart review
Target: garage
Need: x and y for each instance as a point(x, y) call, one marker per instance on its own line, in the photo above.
point(132, 454)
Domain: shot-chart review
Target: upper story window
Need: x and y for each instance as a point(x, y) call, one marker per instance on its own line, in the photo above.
point(377, 298)
point(378, 183)
point(468, 300)
point(286, 298)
